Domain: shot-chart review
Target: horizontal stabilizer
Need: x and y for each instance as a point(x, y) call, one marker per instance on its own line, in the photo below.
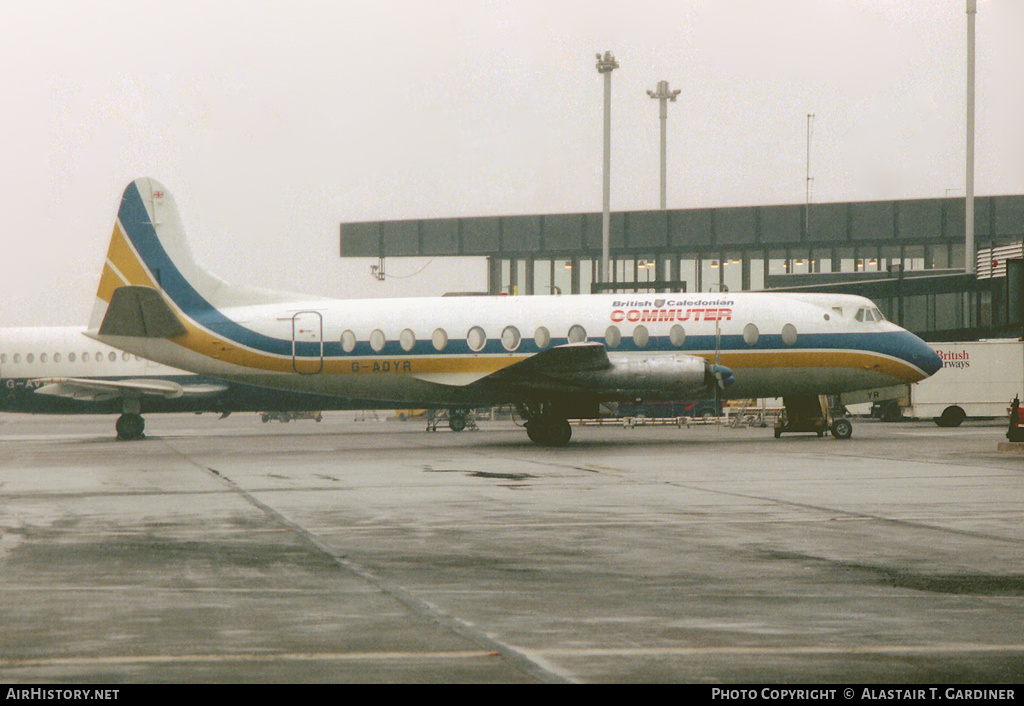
point(96, 389)
point(140, 312)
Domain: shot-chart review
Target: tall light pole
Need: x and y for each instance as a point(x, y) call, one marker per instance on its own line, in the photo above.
point(970, 256)
point(663, 95)
point(807, 209)
point(605, 65)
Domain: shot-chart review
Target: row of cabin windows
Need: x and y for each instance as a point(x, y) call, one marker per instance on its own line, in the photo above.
point(72, 357)
point(476, 338)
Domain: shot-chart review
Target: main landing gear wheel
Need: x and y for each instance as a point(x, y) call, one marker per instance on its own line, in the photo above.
point(549, 431)
point(130, 427)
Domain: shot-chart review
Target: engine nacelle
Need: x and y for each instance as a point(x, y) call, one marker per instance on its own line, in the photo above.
point(670, 377)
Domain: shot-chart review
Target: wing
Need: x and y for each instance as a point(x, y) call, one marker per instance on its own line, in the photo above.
point(97, 390)
point(558, 369)
point(535, 369)
point(557, 361)
point(541, 367)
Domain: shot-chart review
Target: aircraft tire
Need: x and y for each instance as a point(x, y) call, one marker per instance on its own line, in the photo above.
point(842, 429)
point(549, 431)
point(130, 427)
point(559, 431)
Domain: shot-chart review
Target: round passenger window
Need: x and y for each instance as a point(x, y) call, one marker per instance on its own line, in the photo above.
point(577, 334)
point(348, 341)
point(542, 337)
point(677, 335)
point(377, 340)
point(407, 339)
point(510, 338)
point(476, 338)
point(641, 336)
point(439, 338)
point(750, 334)
point(789, 334)
point(612, 337)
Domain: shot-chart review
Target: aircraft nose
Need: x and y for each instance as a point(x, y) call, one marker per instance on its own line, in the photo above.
point(926, 358)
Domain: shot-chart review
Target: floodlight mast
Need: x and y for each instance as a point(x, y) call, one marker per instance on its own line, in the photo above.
point(663, 95)
point(605, 65)
point(970, 255)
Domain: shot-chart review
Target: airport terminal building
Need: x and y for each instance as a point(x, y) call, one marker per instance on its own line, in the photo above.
point(908, 256)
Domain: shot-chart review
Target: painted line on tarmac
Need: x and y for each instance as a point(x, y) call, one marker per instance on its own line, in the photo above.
point(532, 665)
point(247, 657)
point(953, 648)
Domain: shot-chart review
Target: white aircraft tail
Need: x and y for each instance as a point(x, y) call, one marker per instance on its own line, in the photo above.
point(151, 285)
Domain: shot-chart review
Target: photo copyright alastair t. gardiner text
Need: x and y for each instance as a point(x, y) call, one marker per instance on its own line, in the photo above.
point(865, 693)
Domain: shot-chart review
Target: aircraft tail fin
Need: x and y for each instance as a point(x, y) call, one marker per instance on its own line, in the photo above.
point(148, 251)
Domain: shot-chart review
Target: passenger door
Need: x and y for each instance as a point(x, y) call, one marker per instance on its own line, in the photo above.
point(307, 342)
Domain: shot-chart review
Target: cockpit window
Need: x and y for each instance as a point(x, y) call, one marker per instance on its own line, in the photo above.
point(869, 315)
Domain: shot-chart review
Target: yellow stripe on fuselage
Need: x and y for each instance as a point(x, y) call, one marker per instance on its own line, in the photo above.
point(821, 358)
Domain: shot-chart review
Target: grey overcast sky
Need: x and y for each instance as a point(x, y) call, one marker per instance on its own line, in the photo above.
point(272, 122)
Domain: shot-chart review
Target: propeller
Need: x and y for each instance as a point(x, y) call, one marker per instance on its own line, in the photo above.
point(717, 367)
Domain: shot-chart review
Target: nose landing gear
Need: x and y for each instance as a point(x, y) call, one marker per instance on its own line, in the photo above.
point(809, 413)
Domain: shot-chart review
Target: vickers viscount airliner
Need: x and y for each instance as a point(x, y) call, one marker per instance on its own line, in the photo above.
point(555, 357)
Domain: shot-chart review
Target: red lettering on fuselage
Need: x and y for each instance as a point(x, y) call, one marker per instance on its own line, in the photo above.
point(691, 314)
